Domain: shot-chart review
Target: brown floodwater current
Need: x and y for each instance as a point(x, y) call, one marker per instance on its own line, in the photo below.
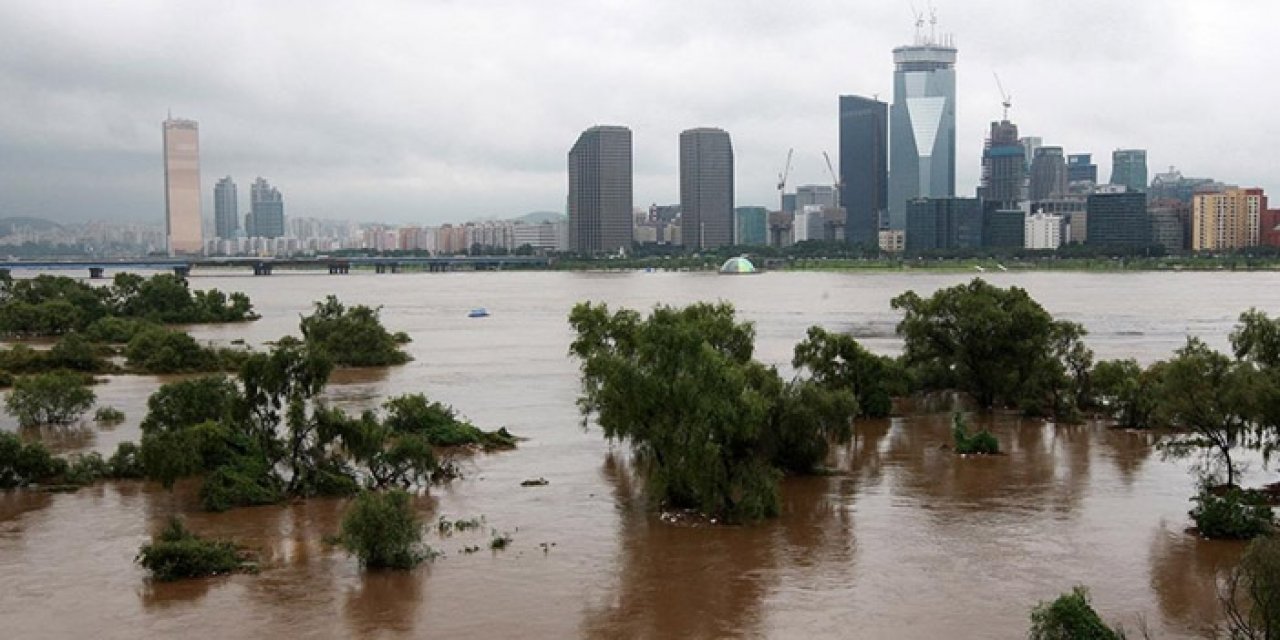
point(908, 541)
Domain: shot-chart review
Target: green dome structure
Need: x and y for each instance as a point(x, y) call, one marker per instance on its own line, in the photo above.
point(736, 266)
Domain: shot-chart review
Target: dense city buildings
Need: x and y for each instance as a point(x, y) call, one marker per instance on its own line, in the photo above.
point(1118, 219)
point(1043, 231)
point(1129, 168)
point(1229, 218)
point(1004, 168)
point(1081, 169)
point(183, 224)
point(600, 197)
point(751, 226)
point(266, 211)
point(864, 169)
point(706, 188)
point(943, 223)
point(922, 131)
point(1029, 146)
point(1048, 174)
point(226, 209)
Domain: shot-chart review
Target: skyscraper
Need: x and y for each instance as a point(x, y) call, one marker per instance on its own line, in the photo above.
point(706, 188)
point(1048, 174)
point(1004, 168)
point(1080, 168)
point(820, 195)
point(600, 191)
point(267, 209)
point(182, 186)
point(226, 216)
point(922, 133)
point(864, 171)
point(1129, 168)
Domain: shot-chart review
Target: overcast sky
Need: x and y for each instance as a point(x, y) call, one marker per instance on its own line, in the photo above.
point(435, 111)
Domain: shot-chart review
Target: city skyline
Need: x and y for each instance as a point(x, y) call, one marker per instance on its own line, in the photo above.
point(77, 126)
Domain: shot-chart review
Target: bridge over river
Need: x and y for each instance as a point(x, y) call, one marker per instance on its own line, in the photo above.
point(336, 265)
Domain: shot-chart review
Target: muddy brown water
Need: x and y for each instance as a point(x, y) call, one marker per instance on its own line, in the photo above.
point(909, 542)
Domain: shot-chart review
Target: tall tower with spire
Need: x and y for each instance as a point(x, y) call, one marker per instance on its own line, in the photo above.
point(922, 121)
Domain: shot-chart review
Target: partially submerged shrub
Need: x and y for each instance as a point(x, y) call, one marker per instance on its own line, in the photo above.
point(981, 442)
point(125, 462)
point(108, 415)
point(22, 464)
point(383, 531)
point(176, 553)
point(1070, 617)
point(1234, 514)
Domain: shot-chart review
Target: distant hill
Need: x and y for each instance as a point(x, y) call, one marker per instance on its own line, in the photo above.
point(539, 217)
point(7, 225)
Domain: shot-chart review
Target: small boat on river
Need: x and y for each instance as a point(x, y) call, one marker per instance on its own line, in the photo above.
point(478, 312)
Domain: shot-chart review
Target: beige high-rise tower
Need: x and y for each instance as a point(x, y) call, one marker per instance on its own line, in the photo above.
point(182, 186)
point(1226, 219)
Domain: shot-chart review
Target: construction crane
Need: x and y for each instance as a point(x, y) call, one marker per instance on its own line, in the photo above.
point(782, 181)
point(1006, 98)
point(835, 180)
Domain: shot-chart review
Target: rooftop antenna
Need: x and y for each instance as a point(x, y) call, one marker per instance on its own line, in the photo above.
point(1006, 98)
point(919, 23)
point(933, 24)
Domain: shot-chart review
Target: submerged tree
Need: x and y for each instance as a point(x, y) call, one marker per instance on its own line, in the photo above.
point(49, 398)
point(998, 345)
point(838, 361)
point(1251, 594)
point(383, 531)
point(1126, 392)
point(352, 337)
point(712, 428)
point(1070, 617)
point(1213, 399)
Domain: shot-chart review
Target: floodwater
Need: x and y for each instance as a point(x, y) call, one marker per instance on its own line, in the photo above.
point(909, 541)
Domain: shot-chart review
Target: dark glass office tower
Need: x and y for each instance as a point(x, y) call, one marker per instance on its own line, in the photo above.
point(864, 170)
point(267, 208)
point(600, 191)
point(226, 217)
point(1129, 168)
point(706, 188)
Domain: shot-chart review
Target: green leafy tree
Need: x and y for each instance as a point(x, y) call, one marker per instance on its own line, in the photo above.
point(1232, 513)
point(1070, 617)
point(49, 398)
point(383, 531)
point(352, 337)
point(161, 350)
point(998, 345)
point(22, 464)
point(838, 361)
point(712, 427)
point(1212, 398)
point(1127, 392)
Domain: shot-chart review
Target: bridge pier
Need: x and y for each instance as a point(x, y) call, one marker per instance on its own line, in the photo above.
point(339, 268)
point(96, 273)
point(261, 269)
point(395, 267)
point(181, 271)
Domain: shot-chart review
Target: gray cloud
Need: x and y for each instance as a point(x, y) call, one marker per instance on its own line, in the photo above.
point(437, 111)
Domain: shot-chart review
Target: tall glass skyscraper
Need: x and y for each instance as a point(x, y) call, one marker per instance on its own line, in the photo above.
point(600, 191)
point(922, 125)
point(226, 217)
point(1129, 168)
point(182, 186)
point(864, 171)
point(706, 188)
point(266, 210)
